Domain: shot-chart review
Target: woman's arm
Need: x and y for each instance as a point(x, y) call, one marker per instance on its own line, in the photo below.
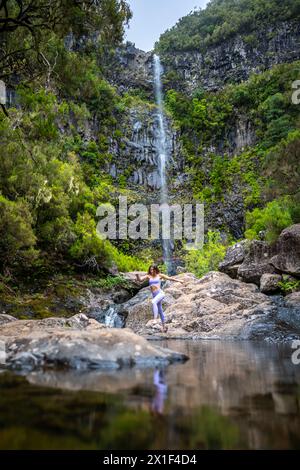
point(141, 279)
point(168, 278)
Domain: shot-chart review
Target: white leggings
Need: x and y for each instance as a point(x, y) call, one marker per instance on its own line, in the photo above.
point(158, 297)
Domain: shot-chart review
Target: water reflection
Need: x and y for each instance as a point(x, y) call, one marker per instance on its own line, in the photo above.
point(228, 395)
point(161, 390)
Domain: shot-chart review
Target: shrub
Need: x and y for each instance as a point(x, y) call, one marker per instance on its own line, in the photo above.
point(16, 234)
point(208, 259)
point(125, 263)
point(272, 219)
point(88, 248)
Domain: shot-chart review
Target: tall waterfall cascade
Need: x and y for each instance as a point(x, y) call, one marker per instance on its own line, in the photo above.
point(163, 156)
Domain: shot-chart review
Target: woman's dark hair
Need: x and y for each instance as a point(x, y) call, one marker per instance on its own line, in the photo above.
point(155, 268)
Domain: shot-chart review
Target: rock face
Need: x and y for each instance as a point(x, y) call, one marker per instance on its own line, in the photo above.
point(77, 343)
point(235, 59)
point(248, 261)
point(235, 256)
point(269, 283)
point(287, 258)
point(136, 157)
point(218, 307)
point(257, 262)
point(263, 264)
point(131, 69)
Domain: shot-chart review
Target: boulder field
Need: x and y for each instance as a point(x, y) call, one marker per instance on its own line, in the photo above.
point(217, 307)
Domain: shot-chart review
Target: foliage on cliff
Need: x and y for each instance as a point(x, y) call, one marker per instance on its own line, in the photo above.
point(223, 19)
point(265, 171)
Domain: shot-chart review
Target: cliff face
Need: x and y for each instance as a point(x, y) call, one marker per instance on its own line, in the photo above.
point(136, 156)
point(130, 70)
point(235, 59)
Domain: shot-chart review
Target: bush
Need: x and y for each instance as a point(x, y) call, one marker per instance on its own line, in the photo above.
point(125, 263)
point(16, 234)
point(208, 259)
point(275, 217)
point(288, 286)
point(89, 249)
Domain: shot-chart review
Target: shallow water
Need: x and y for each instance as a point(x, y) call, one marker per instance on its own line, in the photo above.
point(227, 396)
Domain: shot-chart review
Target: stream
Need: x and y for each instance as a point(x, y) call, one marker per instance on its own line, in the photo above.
point(229, 395)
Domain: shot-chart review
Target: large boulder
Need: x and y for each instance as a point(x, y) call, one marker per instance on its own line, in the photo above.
point(4, 318)
point(249, 261)
point(256, 262)
point(269, 283)
point(77, 343)
point(138, 310)
point(289, 311)
point(235, 255)
point(287, 257)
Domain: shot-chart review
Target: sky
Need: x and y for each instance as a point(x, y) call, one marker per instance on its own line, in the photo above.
point(152, 17)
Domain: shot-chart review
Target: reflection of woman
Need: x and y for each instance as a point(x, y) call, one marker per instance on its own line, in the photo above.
point(155, 277)
point(160, 392)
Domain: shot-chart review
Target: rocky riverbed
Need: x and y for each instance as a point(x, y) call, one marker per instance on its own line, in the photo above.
point(243, 302)
point(217, 307)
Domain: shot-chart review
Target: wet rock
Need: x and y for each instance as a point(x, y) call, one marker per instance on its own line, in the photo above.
point(277, 321)
point(269, 283)
point(121, 296)
point(289, 311)
point(136, 156)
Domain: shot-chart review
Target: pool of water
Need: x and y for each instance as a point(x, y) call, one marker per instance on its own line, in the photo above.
point(227, 396)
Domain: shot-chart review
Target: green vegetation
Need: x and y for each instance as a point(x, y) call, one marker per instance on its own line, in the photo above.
point(270, 220)
point(30, 31)
point(223, 19)
point(59, 140)
point(200, 262)
point(53, 175)
point(266, 173)
point(50, 185)
point(288, 286)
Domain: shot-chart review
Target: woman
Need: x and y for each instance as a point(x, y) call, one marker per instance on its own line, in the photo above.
point(155, 277)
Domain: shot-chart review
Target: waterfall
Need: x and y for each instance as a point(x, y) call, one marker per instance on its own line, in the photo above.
point(163, 156)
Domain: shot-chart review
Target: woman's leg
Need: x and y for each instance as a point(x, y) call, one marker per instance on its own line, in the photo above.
point(161, 312)
point(155, 311)
point(157, 305)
